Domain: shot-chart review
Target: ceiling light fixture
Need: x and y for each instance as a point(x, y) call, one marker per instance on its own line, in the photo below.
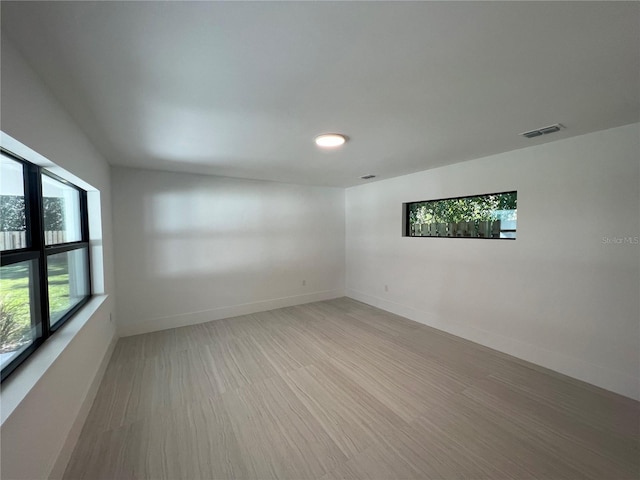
point(330, 140)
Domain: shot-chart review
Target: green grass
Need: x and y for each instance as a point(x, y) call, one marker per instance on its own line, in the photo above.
point(59, 300)
point(14, 296)
point(14, 289)
point(15, 321)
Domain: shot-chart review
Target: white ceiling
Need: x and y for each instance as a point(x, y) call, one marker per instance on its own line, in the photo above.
point(241, 88)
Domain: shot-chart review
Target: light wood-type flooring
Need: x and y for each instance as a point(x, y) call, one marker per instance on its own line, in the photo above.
point(339, 389)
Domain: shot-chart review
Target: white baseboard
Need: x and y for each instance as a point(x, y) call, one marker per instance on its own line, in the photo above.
point(194, 318)
point(64, 456)
point(602, 377)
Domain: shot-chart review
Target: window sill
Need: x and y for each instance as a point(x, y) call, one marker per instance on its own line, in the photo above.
point(16, 388)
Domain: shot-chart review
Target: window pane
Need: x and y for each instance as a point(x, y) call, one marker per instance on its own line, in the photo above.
point(493, 215)
point(68, 281)
point(61, 205)
point(17, 327)
point(13, 225)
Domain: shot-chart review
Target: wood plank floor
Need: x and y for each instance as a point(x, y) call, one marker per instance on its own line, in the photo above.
point(339, 389)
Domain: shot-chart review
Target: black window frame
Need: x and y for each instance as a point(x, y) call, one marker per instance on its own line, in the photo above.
point(39, 252)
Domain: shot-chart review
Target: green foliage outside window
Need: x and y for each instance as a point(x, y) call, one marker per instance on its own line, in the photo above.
point(448, 213)
point(15, 315)
point(482, 207)
point(12, 213)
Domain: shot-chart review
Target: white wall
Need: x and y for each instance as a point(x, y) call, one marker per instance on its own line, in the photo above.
point(190, 248)
point(558, 296)
point(38, 435)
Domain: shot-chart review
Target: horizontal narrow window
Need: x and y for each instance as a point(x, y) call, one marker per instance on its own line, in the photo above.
point(490, 216)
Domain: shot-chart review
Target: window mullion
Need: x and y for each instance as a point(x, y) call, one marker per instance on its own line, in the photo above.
point(36, 228)
point(84, 222)
point(65, 247)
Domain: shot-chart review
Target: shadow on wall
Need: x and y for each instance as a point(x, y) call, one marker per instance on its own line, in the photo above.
point(200, 232)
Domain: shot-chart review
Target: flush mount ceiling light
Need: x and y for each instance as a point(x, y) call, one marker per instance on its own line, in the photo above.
point(330, 140)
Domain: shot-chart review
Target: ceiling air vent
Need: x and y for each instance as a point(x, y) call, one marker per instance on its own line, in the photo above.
point(367, 177)
point(542, 131)
point(532, 134)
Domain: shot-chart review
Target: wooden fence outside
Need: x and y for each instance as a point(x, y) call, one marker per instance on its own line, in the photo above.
point(13, 240)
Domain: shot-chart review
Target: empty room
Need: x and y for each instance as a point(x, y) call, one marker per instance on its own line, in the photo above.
point(320, 240)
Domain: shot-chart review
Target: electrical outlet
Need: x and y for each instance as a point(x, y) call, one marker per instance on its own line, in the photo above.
point(386, 288)
point(304, 283)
